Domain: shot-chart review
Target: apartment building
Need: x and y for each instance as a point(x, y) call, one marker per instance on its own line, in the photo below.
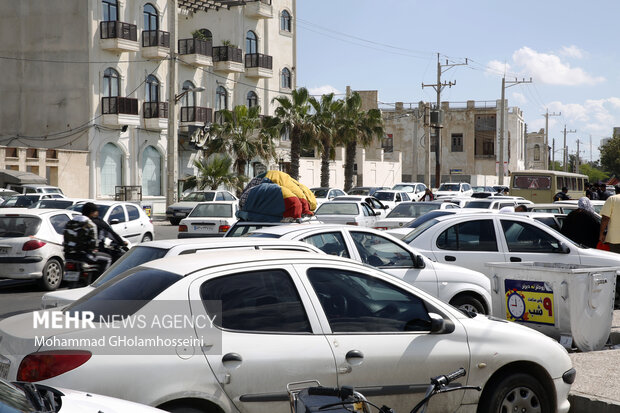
point(94, 76)
point(537, 152)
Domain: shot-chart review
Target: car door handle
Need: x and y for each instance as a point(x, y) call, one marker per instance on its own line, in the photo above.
point(354, 354)
point(515, 259)
point(230, 357)
point(450, 258)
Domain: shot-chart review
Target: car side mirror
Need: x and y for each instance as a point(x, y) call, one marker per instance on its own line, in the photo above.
point(114, 221)
point(386, 207)
point(439, 325)
point(418, 261)
point(563, 248)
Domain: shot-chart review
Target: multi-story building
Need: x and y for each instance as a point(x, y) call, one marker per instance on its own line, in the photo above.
point(94, 76)
point(469, 141)
point(536, 152)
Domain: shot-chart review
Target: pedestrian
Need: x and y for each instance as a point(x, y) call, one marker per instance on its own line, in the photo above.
point(583, 225)
point(588, 190)
point(428, 195)
point(602, 192)
point(521, 208)
point(562, 195)
point(611, 222)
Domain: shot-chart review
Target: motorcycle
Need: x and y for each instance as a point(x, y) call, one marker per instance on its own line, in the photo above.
point(80, 271)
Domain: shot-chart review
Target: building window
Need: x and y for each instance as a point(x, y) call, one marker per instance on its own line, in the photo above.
point(457, 142)
point(252, 99)
point(188, 99)
point(388, 143)
point(537, 152)
point(204, 34)
point(110, 10)
point(151, 17)
point(221, 98)
point(111, 169)
point(151, 172)
point(286, 79)
point(485, 132)
point(251, 42)
point(285, 21)
point(111, 83)
point(152, 89)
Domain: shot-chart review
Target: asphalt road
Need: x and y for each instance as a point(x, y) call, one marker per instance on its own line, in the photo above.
point(21, 296)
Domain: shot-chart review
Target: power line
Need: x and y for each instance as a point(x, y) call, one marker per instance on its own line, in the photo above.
point(25, 59)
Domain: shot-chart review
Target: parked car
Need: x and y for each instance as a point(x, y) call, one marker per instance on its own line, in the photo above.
point(416, 190)
point(365, 190)
point(471, 240)
point(406, 212)
point(346, 212)
point(552, 208)
point(454, 189)
point(57, 203)
point(31, 245)
point(483, 188)
point(597, 204)
point(288, 317)
point(179, 210)
point(392, 198)
point(496, 203)
point(24, 201)
point(35, 189)
point(127, 219)
point(209, 219)
point(465, 289)
point(153, 250)
point(323, 194)
point(376, 205)
point(6, 193)
point(22, 397)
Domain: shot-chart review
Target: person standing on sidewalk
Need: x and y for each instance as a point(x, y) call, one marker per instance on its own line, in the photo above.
point(611, 222)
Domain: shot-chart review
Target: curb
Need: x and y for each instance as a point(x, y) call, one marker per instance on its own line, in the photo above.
point(582, 403)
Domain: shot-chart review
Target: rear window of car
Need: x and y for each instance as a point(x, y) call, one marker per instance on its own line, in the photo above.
point(138, 255)
point(404, 188)
point(199, 197)
point(449, 187)
point(212, 211)
point(241, 230)
point(478, 204)
point(337, 209)
point(411, 210)
point(384, 196)
point(319, 193)
point(53, 204)
point(428, 216)
point(19, 226)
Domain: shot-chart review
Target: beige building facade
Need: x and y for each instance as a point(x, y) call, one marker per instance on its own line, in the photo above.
point(93, 76)
point(537, 152)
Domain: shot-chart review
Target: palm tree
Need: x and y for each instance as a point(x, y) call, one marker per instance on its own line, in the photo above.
point(326, 114)
point(294, 116)
point(357, 127)
point(213, 172)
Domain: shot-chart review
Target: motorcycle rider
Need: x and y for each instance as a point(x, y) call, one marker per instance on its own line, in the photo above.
point(104, 230)
point(81, 242)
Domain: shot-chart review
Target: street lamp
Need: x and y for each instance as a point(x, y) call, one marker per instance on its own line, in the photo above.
point(186, 91)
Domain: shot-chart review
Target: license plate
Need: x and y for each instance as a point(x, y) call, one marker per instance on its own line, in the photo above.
point(203, 227)
point(179, 214)
point(4, 250)
point(4, 367)
point(71, 276)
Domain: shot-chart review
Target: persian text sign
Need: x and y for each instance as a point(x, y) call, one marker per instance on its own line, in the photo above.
point(529, 302)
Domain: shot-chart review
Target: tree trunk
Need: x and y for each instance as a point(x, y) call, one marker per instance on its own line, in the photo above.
point(325, 164)
point(241, 166)
point(348, 165)
point(295, 152)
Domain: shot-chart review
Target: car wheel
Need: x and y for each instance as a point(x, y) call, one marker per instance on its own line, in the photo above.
point(175, 221)
point(147, 237)
point(52, 275)
point(468, 303)
point(517, 392)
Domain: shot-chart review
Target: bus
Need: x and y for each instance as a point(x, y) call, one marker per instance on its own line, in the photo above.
point(539, 186)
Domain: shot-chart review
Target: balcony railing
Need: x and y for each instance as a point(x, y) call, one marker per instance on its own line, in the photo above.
point(263, 1)
point(119, 30)
point(155, 38)
point(227, 53)
point(155, 110)
point(118, 105)
point(196, 114)
point(195, 46)
point(258, 60)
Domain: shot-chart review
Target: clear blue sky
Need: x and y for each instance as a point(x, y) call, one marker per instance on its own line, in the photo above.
point(569, 48)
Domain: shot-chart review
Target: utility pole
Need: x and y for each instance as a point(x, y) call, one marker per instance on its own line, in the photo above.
point(501, 170)
point(553, 155)
point(590, 148)
point(172, 158)
point(565, 151)
point(426, 107)
point(577, 159)
point(546, 115)
point(438, 88)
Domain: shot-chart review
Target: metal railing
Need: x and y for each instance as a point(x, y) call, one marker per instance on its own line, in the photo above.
point(196, 46)
point(227, 53)
point(155, 38)
point(120, 30)
point(116, 105)
point(196, 114)
point(258, 60)
point(155, 110)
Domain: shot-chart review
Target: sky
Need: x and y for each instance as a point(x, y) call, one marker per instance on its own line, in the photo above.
point(569, 48)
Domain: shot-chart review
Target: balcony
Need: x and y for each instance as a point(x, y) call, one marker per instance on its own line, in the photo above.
point(228, 59)
point(118, 37)
point(194, 116)
point(258, 65)
point(258, 9)
point(155, 115)
point(118, 111)
point(196, 52)
point(155, 44)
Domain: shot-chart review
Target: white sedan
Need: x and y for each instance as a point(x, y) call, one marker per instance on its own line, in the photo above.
point(471, 240)
point(282, 317)
point(346, 212)
point(31, 244)
point(209, 219)
point(392, 198)
point(406, 212)
point(372, 202)
point(466, 289)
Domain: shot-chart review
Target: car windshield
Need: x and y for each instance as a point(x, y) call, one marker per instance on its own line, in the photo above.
point(449, 187)
point(136, 256)
point(101, 208)
point(320, 192)
point(384, 196)
point(404, 188)
point(419, 230)
point(52, 204)
point(359, 191)
point(199, 197)
point(21, 201)
point(16, 226)
point(52, 190)
point(333, 208)
point(212, 211)
point(411, 210)
point(478, 204)
point(14, 399)
point(433, 214)
point(242, 230)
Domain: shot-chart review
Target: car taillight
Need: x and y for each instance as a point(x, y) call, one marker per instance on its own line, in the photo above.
point(71, 266)
point(48, 364)
point(224, 228)
point(383, 228)
point(33, 244)
point(352, 223)
point(182, 228)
